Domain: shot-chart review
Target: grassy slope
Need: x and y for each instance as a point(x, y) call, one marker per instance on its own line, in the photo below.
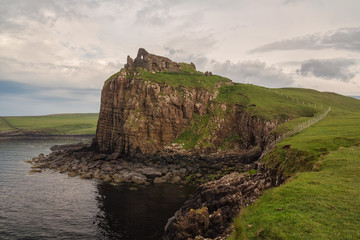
point(265, 103)
point(72, 124)
point(258, 102)
point(188, 77)
point(319, 204)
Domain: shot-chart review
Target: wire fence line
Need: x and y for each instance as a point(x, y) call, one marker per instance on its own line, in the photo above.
point(296, 100)
point(299, 128)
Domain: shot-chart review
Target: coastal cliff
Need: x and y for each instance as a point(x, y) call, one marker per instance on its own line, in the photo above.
point(144, 109)
point(165, 122)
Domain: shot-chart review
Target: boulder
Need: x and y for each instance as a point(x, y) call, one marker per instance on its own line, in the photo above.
point(150, 172)
point(107, 178)
point(176, 179)
point(100, 156)
point(158, 180)
point(138, 178)
point(72, 174)
point(121, 177)
point(86, 176)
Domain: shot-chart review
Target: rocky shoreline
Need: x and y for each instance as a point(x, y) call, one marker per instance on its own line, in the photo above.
point(40, 136)
point(210, 213)
point(226, 183)
point(80, 160)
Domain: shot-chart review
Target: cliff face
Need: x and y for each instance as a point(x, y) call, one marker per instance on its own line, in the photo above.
point(143, 116)
point(140, 116)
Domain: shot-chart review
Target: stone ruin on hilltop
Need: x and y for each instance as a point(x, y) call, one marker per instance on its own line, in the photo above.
point(152, 62)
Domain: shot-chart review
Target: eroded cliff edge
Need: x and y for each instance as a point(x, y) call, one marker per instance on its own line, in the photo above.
point(162, 121)
point(154, 104)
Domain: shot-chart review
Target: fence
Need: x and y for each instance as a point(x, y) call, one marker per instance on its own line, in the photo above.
point(295, 99)
point(301, 126)
point(298, 128)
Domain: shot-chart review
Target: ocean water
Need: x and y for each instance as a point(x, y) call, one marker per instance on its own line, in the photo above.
point(50, 205)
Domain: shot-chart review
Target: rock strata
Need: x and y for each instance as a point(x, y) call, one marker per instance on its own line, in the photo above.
point(136, 118)
point(140, 116)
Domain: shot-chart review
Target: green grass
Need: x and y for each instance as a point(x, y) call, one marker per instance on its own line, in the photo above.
point(322, 198)
point(188, 78)
point(264, 103)
point(258, 102)
point(58, 124)
point(198, 131)
point(286, 107)
point(4, 126)
point(312, 205)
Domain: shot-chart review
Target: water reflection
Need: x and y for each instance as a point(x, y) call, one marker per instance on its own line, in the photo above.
point(137, 212)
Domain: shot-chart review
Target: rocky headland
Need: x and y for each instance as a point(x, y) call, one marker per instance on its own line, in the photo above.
point(165, 122)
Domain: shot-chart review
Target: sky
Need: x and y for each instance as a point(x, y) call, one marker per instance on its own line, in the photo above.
point(56, 54)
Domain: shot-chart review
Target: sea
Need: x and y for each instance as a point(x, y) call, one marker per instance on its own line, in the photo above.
point(51, 205)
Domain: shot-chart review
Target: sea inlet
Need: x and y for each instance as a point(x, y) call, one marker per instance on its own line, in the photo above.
point(50, 205)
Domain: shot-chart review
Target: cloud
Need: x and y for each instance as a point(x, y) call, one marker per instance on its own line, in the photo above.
point(154, 14)
point(192, 47)
point(291, 1)
point(24, 99)
point(340, 39)
point(328, 69)
point(255, 72)
point(83, 74)
point(66, 44)
point(181, 55)
point(15, 14)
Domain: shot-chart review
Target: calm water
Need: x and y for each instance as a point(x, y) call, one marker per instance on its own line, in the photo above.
point(50, 205)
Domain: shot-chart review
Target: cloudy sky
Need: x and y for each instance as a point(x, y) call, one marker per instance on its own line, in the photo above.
point(56, 54)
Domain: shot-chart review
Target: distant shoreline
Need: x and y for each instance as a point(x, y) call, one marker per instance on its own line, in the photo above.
point(44, 136)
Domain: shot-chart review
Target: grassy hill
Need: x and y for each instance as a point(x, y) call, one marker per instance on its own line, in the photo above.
point(258, 102)
point(321, 199)
point(188, 77)
point(57, 124)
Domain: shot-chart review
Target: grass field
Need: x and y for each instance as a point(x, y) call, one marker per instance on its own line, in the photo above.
point(4, 125)
point(312, 205)
point(266, 104)
point(57, 124)
point(321, 199)
point(188, 78)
